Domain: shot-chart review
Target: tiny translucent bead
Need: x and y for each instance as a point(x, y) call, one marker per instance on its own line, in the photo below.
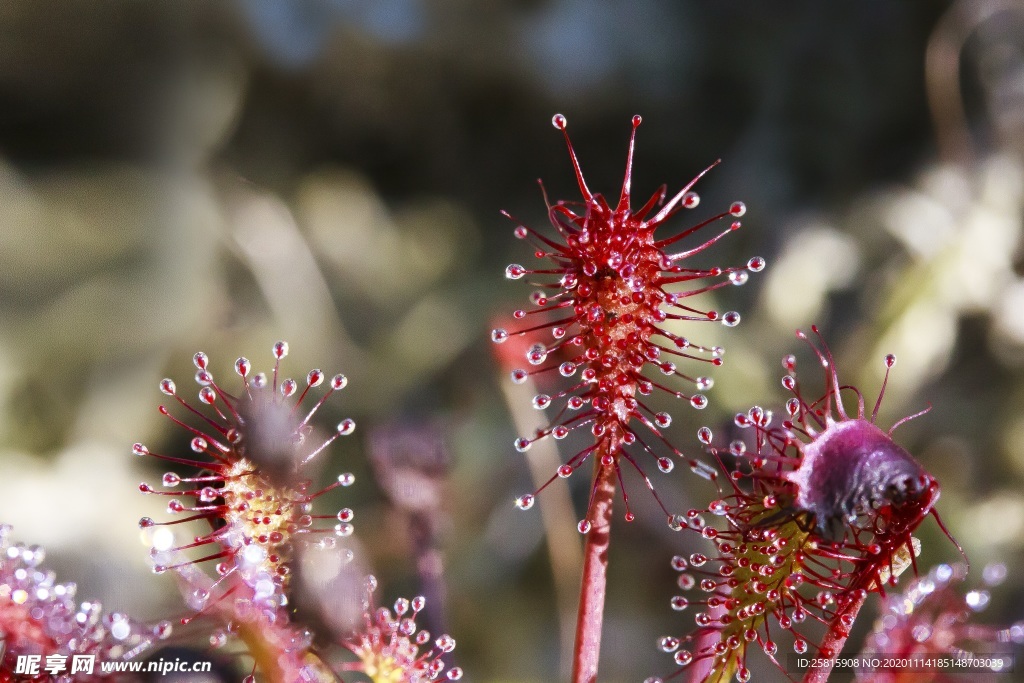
point(514, 271)
point(525, 502)
point(668, 644)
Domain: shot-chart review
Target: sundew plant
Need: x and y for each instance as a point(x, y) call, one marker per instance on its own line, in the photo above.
point(814, 512)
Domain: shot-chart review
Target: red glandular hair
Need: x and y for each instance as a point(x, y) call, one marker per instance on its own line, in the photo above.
point(611, 297)
point(816, 516)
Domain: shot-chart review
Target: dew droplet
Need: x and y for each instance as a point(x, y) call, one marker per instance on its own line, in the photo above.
point(731, 319)
point(977, 600)
point(559, 121)
point(514, 271)
point(565, 471)
point(171, 479)
point(201, 360)
point(541, 401)
point(691, 200)
point(167, 386)
point(739, 277)
point(499, 335)
point(346, 426)
point(704, 435)
point(559, 431)
point(567, 369)
point(679, 603)
point(139, 449)
point(537, 354)
point(668, 644)
point(699, 401)
point(207, 395)
point(519, 376)
point(522, 445)
point(890, 360)
point(242, 366)
point(662, 419)
point(525, 502)
point(756, 264)
point(280, 349)
point(683, 657)
point(314, 378)
point(583, 527)
point(737, 209)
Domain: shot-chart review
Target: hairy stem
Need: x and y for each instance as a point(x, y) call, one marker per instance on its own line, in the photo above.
point(834, 641)
point(595, 576)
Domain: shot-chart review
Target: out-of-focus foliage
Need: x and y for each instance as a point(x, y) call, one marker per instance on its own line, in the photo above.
point(216, 176)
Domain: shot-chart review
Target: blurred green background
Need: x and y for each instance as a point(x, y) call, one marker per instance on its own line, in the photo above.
point(216, 176)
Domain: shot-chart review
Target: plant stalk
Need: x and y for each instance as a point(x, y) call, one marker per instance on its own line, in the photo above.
point(590, 617)
point(834, 639)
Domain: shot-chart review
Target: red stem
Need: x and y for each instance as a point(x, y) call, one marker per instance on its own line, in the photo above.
point(834, 639)
point(595, 576)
